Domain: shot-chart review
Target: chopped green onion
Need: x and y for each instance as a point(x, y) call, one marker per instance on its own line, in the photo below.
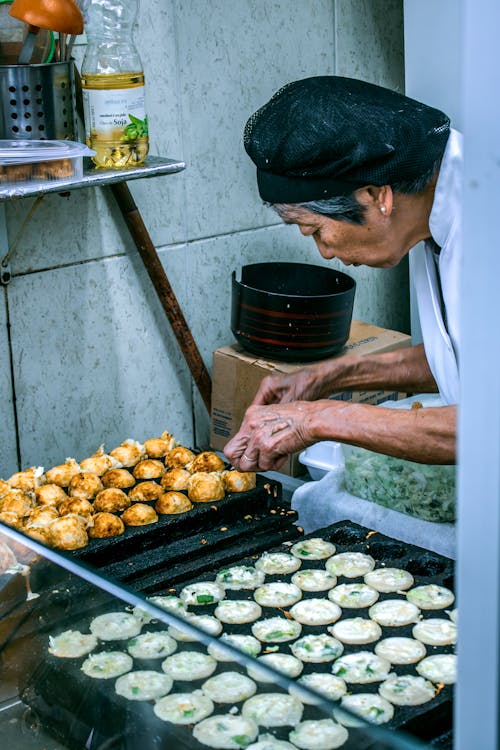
point(204, 599)
point(242, 740)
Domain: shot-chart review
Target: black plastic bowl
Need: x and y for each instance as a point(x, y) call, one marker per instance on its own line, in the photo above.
point(292, 311)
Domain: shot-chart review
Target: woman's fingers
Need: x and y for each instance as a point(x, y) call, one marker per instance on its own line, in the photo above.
point(267, 435)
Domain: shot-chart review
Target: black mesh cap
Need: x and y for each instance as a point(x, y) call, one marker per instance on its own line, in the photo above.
point(328, 135)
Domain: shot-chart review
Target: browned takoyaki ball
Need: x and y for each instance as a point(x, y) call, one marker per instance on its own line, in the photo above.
point(50, 495)
point(77, 505)
point(38, 533)
point(43, 515)
point(205, 487)
point(175, 479)
point(206, 461)
point(85, 486)
point(99, 462)
point(145, 492)
point(120, 478)
point(27, 480)
point(173, 502)
point(11, 519)
point(67, 532)
point(17, 501)
point(139, 514)
point(63, 473)
point(178, 457)
point(148, 468)
point(158, 447)
point(112, 500)
point(129, 453)
point(239, 481)
point(105, 525)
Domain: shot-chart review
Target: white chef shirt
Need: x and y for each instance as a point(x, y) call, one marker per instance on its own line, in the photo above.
point(436, 274)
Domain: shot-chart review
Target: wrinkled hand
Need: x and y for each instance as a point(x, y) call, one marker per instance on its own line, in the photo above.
point(268, 434)
point(305, 384)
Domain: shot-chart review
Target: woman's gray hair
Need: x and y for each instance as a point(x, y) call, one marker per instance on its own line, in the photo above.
point(347, 207)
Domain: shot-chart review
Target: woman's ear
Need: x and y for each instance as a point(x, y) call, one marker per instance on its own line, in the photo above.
point(379, 197)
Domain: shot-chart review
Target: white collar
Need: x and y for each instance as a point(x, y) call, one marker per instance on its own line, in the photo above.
point(448, 190)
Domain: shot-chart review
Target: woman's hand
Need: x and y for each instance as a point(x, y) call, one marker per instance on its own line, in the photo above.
point(268, 434)
point(306, 384)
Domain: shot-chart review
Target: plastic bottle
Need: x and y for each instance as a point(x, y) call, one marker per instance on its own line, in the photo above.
point(116, 123)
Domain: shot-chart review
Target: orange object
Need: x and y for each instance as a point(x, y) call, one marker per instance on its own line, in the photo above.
point(56, 15)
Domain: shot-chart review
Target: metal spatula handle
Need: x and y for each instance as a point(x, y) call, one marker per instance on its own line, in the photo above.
point(28, 46)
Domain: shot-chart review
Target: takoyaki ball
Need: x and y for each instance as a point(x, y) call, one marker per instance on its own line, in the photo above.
point(175, 479)
point(38, 533)
point(112, 500)
point(179, 457)
point(67, 532)
point(41, 516)
point(145, 492)
point(99, 462)
point(173, 502)
point(120, 478)
point(85, 486)
point(239, 481)
point(63, 473)
point(77, 505)
point(206, 461)
point(4, 487)
point(204, 487)
point(50, 495)
point(158, 447)
point(11, 519)
point(148, 468)
point(18, 502)
point(129, 453)
point(29, 479)
point(139, 514)
point(106, 524)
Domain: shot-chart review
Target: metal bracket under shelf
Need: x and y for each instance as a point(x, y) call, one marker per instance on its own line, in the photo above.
point(5, 272)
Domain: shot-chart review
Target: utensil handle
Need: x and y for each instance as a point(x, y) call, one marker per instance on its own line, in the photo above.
point(28, 46)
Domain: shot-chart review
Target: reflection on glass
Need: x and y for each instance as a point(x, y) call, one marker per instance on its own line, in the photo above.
point(88, 663)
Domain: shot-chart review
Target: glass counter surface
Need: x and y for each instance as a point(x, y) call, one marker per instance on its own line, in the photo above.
point(135, 674)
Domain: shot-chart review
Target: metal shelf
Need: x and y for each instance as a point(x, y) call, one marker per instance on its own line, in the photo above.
point(94, 177)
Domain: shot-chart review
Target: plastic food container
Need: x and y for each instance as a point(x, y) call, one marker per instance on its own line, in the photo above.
point(423, 490)
point(39, 162)
point(322, 457)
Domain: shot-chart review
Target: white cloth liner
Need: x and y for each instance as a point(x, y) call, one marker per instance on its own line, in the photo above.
point(325, 501)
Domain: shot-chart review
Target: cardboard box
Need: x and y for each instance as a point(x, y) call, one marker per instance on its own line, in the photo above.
point(238, 373)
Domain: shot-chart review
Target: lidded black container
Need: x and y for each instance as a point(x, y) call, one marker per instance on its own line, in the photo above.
point(292, 311)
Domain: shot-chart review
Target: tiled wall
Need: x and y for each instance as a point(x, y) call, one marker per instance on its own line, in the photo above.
point(93, 357)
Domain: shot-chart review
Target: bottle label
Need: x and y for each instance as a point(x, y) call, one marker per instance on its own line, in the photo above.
point(115, 114)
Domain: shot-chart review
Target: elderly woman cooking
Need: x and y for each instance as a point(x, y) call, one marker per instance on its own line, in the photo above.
point(367, 173)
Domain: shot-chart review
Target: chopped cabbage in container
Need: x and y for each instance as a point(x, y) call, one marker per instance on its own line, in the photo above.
point(423, 490)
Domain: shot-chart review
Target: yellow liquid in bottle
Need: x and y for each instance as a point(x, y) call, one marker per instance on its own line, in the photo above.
point(116, 125)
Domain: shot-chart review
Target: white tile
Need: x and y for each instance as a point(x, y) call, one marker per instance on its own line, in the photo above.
point(8, 454)
point(369, 42)
point(95, 359)
point(231, 60)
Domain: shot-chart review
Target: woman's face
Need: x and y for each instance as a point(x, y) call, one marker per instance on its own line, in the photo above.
point(373, 243)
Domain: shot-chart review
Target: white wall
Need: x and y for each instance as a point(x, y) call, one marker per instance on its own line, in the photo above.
point(93, 357)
